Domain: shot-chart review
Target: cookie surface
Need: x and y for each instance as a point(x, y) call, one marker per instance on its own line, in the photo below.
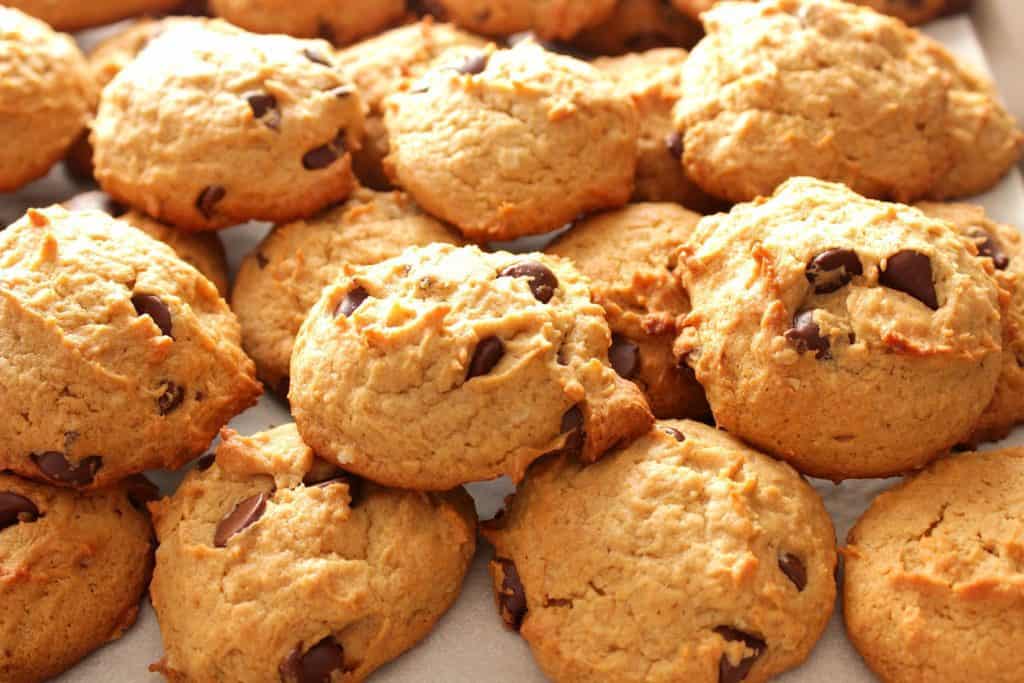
point(73, 568)
point(272, 143)
point(1004, 246)
point(118, 356)
point(504, 352)
point(932, 585)
point(637, 26)
point(46, 94)
point(338, 22)
point(822, 88)
point(274, 565)
point(542, 138)
point(827, 329)
point(72, 16)
point(684, 557)
point(629, 256)
point(553, 19)
point(910, 11)
point(282, 278)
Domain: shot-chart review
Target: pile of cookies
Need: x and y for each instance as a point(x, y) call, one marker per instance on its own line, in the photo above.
point(738, 301)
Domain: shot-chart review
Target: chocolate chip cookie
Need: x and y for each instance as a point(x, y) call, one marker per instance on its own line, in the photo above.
point(910, 11)
point(275, 566)
point(552, 19)
point(282, 278)
point(448, 365)
point(338, 22)
point(686, 556)
point(629, 256)
point(823, 88)
point(541, 138)
point(73, 16)
point(211, 126)
point(46, 94)
point(203, 251)
point(73, 568)
point(638, 26)
point(118, 356)
point(933, 574)
point(827, 329)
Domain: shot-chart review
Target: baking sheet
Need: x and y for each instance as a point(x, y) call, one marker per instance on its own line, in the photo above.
point(469, 644)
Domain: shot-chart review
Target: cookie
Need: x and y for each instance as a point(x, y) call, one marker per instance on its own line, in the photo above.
point(1004, 246)
point(274, 565)
point(281, 279)
point(203, 251)
point(827, 330)
point(448, 365)
point(74, 16)
point(910, 11)
point(118, 356)
point(637, 26)
point(541, 139)
point(271, 142)
point(46, 95)
point(822, 88)
point(629, 256)
point(73, 568)
point(654, 81)
point(338, 22)
point(551, 19)
point(932, 574)
point(382, 65)
point(686, 556)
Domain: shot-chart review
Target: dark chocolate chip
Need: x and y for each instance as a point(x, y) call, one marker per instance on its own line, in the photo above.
point(171, 399)
point(205, 462)
point(261, 260)
point(315, 56)
point(727, 671)
point(319, 157)
point(624, 356)
point(156, 309)
point(832, 269)
point(511, 596)
point(209, 198)
point(353, 300)
point(356, 492)
point(486, 355)
point(910, 272)
point(326, 31)
point(317, 665)
point(244, 514)
point(542, 281)
point(15, 508)
point(55, 466)
point(96, 200)
point(674, 433)
point(140, 491)
point(674, 145)
point(342, 91)
point(474, 64)
point(572, 424)
point(805, 335)
point(264, 106)
point(794, 569)
point(990, 247)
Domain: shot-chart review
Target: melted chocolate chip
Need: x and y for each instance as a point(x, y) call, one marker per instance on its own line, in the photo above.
point(674, 145)
point(990, 247)
point(15, 509)
point(140, 491)
point(805, 335)
point(727, 671)
point(353, 300)
point(317, 665)
point(323, 156)
point(542, 281)
point(171, 399)
point(910, 272)
point(315, 56)
point(264, 106)
point(205, 462)
point(794, 569)
point(474, 64)
point(156, 309)
point(244, 514)
point(624, 356)
point(488, 352)
point(674, 433)
point(511, 596)
point(209, 198)
point(55, 466)
point(833, 269)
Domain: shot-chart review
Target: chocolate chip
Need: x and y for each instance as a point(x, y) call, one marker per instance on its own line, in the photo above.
point(356, 492)
point(325, 31)
point(323, 156)
point(486, 355)
point(353, 300)
point(171, 399)
point(729, 673)
point(988, 246)
point(910, 272)
point(156, 309)
point(140, 491)
point(474, 64)
point(244, 514)
point(832, 269)
point(55, 466)
point(511, 596)
point(624, 356)
point(674, 145)
point(15, 509)
point(542, 281)
point(341, 92)
point(674, 433)
point(805, 335)
point(794, 569)
point(205, 462)
point(209, 198)
point(264, 106)
point(317, 665)
point(315, 56)
point(572, 424)
point(261, 260)
point(96, 201)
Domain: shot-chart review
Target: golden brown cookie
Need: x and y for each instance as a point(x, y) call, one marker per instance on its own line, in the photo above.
point(910, 11)
point(551, 19)
point(338, 22)
point(73, 16)
point(638, 26)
